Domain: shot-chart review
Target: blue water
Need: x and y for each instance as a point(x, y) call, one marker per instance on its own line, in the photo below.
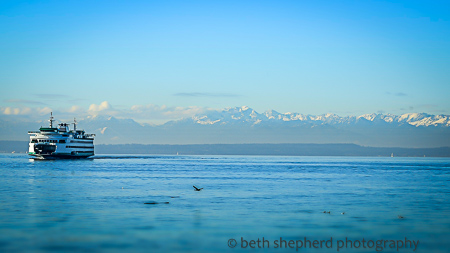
point(97, 205)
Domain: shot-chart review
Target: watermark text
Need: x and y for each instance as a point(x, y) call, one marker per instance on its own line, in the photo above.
point(337, 244)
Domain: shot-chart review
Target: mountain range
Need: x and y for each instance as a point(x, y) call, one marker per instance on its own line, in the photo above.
point(248, 115)
point(245, 125)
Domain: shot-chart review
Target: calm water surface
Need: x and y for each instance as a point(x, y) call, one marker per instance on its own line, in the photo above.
point(97, 205)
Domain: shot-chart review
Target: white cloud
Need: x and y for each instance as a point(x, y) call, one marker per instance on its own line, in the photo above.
point(101, 107)
point(104, 108)
point(15, 111)
point(150, 113)
point(9, 111)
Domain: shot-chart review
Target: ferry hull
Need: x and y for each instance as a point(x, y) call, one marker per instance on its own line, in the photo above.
point(60, 156)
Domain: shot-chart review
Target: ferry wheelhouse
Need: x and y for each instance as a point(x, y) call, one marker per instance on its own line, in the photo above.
point(60, 142)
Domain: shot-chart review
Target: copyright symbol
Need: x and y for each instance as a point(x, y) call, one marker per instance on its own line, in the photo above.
point(232, 243)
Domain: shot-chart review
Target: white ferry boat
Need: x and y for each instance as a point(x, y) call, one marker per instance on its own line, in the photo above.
point(60, 142)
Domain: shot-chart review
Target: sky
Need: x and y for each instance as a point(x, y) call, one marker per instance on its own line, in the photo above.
point(155, 61)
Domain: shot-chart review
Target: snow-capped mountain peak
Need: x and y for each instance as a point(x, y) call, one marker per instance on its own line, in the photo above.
point(247, 115)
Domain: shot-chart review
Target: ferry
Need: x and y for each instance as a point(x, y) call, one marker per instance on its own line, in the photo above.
point(60, 142)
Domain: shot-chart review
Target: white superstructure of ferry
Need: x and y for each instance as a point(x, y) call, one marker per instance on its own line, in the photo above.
point(60, 142)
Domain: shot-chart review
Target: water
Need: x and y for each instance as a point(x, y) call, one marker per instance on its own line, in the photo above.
point(97, 205)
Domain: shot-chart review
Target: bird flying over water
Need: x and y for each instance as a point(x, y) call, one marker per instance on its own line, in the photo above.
point(197, 189)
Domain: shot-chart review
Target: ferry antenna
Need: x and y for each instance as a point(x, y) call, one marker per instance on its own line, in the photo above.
point(74, 124)
point(51, 119)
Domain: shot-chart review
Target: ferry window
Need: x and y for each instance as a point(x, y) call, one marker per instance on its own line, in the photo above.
point(62, 141)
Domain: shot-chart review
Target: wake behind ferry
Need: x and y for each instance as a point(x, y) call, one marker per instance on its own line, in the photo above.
point(60, 142)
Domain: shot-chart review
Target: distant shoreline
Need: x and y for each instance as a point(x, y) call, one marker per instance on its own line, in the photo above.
point(282, 149)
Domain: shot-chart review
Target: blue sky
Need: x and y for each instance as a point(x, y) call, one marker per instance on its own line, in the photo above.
point(160, 60)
